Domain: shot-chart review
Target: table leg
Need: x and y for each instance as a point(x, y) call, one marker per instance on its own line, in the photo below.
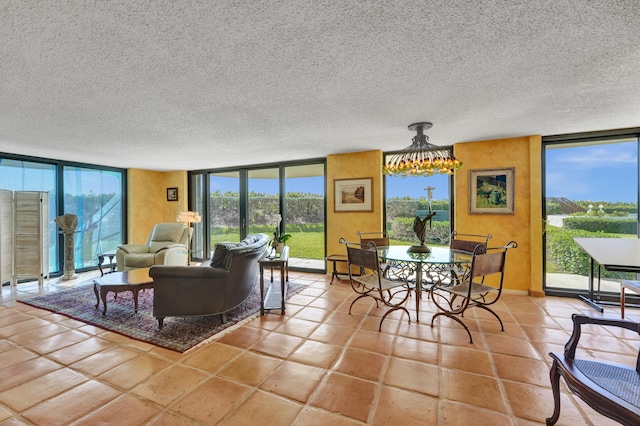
point(282, 269)
point(622, 302)
point(135, 300)
point(418, 290)
point(103, 296)
point(100, 260)
point(589, 298)
point(95, 290)
point(261, 290)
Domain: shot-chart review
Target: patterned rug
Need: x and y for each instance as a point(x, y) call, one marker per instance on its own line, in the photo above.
point(178, 334)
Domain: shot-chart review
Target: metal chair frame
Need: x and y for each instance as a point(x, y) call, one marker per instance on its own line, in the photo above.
point(474, 292)
point(371, 282)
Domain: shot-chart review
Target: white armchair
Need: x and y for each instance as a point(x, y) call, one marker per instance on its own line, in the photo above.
point(167, 245)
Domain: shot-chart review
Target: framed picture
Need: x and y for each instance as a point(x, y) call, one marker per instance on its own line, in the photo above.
point(491, 191)
point(172, 194)
point(353, 195)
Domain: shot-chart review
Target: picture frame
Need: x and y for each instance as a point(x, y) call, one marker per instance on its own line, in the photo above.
point(353, 195)
point(492, 191)
point(172, 194)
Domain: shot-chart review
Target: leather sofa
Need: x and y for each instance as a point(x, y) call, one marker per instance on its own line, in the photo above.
point(167, 245)
point(214, 287)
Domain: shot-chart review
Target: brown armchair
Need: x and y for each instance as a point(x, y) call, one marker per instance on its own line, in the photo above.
point(167, 245)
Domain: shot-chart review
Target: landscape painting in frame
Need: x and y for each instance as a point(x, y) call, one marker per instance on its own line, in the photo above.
point(491, 191)
point(353, 195)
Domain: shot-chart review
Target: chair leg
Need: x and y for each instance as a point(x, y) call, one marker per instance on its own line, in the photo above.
point(391, 310)
point(360, 297)
point(554, 375)
point(494, 314)
point(458, 320)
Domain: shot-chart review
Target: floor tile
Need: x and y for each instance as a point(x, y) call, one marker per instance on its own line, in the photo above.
point(250, 368)
point(124, 410)
point(413, 375)
point(346, 395)
point(317, 365)
point(169, 384)
point(71, 405)
point(278, 345)
point(211, 401)
point(317, 353)
point(212, 357)
point(408, 408)
point(264, 408)
point(293, 380)
point(40, 388)
point(134, 371)
point(481, 391)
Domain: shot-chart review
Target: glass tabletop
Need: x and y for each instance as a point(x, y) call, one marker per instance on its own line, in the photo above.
point(440, 255)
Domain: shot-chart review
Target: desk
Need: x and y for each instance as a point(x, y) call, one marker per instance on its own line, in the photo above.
point(437, 265)
point(281, 262)
point(612, 254)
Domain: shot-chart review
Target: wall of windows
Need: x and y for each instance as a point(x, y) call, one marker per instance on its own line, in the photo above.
point(256, 199)
point(95, 194)
point(590, 190)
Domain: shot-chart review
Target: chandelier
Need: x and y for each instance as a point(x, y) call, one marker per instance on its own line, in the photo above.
point(422, 158)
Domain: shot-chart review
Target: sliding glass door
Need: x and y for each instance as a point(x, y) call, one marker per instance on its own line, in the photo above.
point(224, 207)
point(257, 199)
point(591, 190)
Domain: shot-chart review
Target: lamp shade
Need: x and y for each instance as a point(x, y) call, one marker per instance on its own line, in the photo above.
point(188, 217)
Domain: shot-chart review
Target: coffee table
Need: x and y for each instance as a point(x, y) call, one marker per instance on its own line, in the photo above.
point(133, 280)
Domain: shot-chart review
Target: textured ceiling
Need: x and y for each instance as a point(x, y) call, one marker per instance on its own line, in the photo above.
point(169, 85)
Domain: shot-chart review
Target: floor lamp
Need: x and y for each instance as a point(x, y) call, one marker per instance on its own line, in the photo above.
point(188, 218)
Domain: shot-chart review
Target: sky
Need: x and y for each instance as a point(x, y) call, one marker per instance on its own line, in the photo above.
point(605, 172)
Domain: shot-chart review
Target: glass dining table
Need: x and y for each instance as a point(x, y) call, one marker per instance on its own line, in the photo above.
point(425, 270)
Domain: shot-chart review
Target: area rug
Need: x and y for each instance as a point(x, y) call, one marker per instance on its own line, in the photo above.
point(178, 334)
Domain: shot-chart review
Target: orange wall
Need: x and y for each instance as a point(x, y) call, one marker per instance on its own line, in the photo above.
point(147, 201)
point(524, 264)
point(353, 165)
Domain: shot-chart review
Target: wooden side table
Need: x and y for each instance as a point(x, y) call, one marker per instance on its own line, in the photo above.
point(111, 254)
point(336, 258)
point(281, 262)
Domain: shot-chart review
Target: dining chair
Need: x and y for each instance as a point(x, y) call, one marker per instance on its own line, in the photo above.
point(463, 243)
point(481, 289)
point(371, 282)
point(380, 239)
point(467, 242)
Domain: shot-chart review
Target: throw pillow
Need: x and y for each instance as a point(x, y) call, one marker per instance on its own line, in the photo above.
point(220, 253)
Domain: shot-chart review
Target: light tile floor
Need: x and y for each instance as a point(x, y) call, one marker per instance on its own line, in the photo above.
point(316, 365)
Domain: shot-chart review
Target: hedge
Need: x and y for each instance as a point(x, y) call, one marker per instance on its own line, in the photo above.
point(568, 257)
point(601, 224)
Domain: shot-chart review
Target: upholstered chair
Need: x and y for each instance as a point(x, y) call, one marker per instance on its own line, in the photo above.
point(167, 245)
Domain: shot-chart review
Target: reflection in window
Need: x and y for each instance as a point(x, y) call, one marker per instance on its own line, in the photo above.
point(95, 196)
point(404, 196)
point(17, 175)
point(591, 190)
